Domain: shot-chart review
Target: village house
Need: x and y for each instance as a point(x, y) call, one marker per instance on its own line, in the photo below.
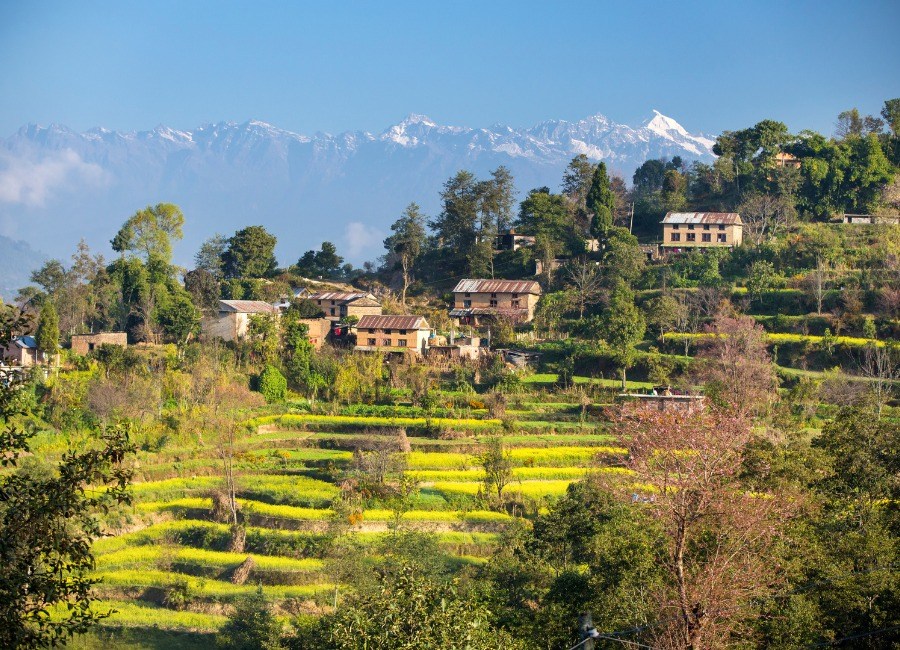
point(319, 329)
point(21, 351)
point(476, 300)
point(85, 343)
point(393, 333)
point(342, 305)
point(683, 230)
point(512, 241)
point(232, 319)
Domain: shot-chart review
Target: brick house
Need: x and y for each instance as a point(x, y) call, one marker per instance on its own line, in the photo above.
point(232, 319)
point(86, 343)
point(476, 300)
point(683, 230)
point(393, 333)
point(341, 305)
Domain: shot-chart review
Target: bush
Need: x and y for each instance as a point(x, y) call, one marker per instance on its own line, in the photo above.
point(272, 384)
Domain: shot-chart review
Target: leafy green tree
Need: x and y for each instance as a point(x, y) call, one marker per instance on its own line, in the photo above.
point(209, 257)
point(264, 334)
point(178, 317)
point(547, 216)
point(409, 610)
point(623, 327)
point(324, 262)
point(497, 201)
point(601, 202)
point(674, 191)
point(251, 626)
point(48, 331)
point(761, 279)
point(623, 259)
point(51, 277)
point(204, 289)
point(405, 246)
point(869, 172)
point(149, 232)
point(48, 520)
point(891, 114)
point(497, 465)
point(250, 254)
point(272, 384)
point(576, 184)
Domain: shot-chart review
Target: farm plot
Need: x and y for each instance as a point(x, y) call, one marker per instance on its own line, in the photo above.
point(174, 569)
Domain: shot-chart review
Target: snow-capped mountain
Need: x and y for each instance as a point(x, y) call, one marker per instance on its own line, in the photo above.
point(57, 185)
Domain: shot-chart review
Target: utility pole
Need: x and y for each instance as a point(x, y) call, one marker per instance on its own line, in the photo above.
point(631, 222)
point(586, 631)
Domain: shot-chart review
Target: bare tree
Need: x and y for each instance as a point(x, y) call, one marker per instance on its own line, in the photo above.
point(816, 283)
point(737, 368)
point(880, 366)
point(586, 279)
point(687, 320)
point(764, 216)
point(719, 533)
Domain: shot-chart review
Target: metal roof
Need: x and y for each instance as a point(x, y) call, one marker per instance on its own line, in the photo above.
point(711, 218)
point(364, 301)
point(337, 296)
point(498, 286)
point(370, 322)
point(247, 307)
point(25, 342)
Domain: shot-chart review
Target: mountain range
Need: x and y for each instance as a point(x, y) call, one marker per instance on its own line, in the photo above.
point(58, 186)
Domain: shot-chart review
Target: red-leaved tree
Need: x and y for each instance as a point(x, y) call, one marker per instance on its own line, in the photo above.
point(720, 536)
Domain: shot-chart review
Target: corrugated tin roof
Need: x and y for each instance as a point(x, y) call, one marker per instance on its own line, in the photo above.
point(371, 322)
point(247, 306)
point(711, 218)
point(337, 296)
point(364, 301)
point(497, 286)
point(486, 311)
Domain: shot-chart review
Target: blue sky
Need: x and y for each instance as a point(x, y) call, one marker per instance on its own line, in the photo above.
point(335, 66)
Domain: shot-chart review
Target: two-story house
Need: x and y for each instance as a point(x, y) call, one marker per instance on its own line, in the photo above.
point(393, 333)
point(232, 318)
point(477, 300)
point(702, 230)
point(341, 305)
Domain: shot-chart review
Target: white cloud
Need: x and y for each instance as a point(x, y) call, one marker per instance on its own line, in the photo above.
point(360, 238)
point(31, 182)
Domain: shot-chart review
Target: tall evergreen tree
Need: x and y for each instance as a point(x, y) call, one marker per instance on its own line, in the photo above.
point(48, 330)
point(601, 201)
point(406, 244)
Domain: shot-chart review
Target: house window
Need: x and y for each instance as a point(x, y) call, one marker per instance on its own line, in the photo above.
point(493, 303)
point(676, 236)
point(706, 226)
point(403, 331)
point(467, 304)
point(387, 331)
point(386, 342)
point(401, 343)
point(371, 341)
point(90, 347)
point(468, 295)
point(332, 302)
point(493, 295)
point(721, 226)
point(675, 226)
point(706, 237)
point(691, 236)
point(332, 311)
point(690, 226)
point(515, 295)
point(515, 304)
point(720, 237)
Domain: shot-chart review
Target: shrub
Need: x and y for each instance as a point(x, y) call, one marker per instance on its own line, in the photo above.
point(272, 384)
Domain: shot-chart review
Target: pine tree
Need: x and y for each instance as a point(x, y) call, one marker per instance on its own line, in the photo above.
point(601, 201)
point(48, 331)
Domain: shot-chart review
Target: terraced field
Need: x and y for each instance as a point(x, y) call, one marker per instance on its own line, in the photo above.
point(170, 569)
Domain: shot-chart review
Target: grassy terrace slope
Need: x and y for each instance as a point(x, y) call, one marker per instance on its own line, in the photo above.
point(170, 568)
